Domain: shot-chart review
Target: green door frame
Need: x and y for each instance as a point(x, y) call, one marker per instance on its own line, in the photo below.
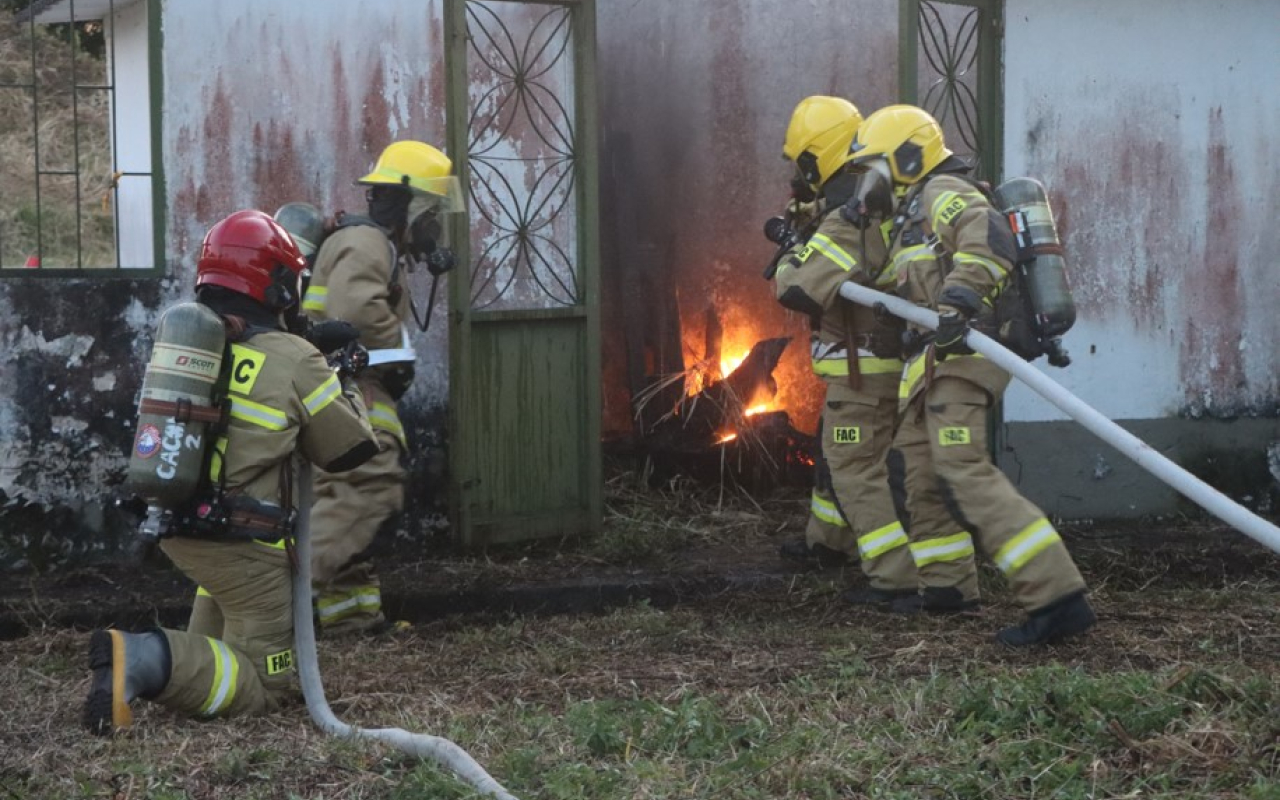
point(990, 80)
point(540, 365)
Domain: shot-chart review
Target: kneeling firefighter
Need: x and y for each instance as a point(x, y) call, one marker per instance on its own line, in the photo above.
point(218, 473)
point(359, 277)
point(951, 251)
point(855, 353)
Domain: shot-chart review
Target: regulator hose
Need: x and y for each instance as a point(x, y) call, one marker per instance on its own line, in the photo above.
point(1204, 495)
point(442, 751)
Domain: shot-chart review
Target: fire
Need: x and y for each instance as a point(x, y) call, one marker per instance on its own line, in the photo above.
point(728, 437)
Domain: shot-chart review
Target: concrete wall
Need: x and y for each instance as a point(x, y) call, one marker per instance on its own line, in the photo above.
point(1153, 126)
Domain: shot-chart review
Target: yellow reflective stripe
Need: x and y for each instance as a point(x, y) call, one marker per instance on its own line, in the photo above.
point(870, 365)
point(316, 298)
point(226, 669)
point(823, 244)
point(882, 540)
point(202, 592)
point(1029, 543)
point(323, 396)
point(825, 510)
point(278, 544)
point(944, 548)
point(831, 367)
point(384, 417)
point(217, 458)
point(911, 375)
point(365, 599)
point(258, 414)
point(996, 271)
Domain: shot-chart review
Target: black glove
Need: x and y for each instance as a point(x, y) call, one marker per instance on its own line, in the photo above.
point(332, 335)
point(949, 340)
point(349, 361)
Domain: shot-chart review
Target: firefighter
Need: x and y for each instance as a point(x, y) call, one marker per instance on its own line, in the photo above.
point(234, 535)
point(854, 352)
point(952, 252)
point(359, 277)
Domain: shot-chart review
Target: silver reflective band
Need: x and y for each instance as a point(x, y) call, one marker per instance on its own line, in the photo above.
point(391, 355)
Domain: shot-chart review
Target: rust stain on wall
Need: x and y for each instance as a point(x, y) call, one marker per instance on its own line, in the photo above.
point(1211, 360)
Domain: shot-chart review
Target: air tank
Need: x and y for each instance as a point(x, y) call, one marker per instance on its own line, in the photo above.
point(1026, 205)
point(175, 408)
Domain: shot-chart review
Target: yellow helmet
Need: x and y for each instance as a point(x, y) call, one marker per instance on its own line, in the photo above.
point(908, 138)
point(819, 135)
point(419, 167)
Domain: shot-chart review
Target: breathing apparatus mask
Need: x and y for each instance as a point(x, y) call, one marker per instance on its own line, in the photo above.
point(423, 240)
point(873, 196)
point(389, 206)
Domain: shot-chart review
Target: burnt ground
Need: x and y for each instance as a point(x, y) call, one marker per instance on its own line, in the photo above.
point(676, 547)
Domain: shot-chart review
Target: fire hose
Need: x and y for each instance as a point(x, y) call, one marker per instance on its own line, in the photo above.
point(1204, 495)
point(442, 751)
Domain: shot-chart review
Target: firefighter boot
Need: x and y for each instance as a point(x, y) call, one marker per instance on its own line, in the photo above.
point(872, 596)
point(801, 550)
point(125, 666)
point(1069, 616)
point(934, 600)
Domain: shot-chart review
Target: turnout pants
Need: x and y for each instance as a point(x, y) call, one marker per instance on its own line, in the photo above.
point(856, 431)
point(955, 494)
point(349, 509)
point(247, 666)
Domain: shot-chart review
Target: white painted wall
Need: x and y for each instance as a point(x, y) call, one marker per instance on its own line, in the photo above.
point(1154, 125)
point(131, 114)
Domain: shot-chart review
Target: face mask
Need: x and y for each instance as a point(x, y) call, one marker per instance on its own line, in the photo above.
point(424, 244)
point(389, 206)
point(874, 192)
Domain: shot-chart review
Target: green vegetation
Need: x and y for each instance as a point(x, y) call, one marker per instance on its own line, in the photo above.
point(54, 215)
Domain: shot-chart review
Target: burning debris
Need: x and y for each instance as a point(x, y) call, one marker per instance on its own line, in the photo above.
point(717, 420)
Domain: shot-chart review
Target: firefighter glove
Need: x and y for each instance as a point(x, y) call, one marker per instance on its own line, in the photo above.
point(950, 339)
point(332, 335)
point(349, 361)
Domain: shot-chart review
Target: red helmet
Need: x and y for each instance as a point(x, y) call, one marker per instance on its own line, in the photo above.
point(248, 252)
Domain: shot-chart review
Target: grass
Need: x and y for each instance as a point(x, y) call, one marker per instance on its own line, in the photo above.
point(779, 691)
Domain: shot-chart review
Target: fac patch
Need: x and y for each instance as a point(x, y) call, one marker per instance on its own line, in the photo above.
point(951, 210)
point(245, 366)
point(846, 434)
point(952, 436)
point(279, 662)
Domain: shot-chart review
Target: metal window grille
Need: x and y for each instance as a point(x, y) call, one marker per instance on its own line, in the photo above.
point(63, 179)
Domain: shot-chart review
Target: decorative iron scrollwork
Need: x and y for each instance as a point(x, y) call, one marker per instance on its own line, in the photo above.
point(521, 155)
point(949, 44)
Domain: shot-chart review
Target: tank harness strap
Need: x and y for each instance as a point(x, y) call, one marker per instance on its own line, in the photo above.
point(183, 410)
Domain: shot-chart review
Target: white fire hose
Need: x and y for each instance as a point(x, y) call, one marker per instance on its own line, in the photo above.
point(1204, 495)
point(442, 751)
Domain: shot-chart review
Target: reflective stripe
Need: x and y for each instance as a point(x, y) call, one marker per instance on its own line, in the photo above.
point(226, 669)
point(996, 271)
point(217, 458)
point(1033, 539)
point(202, 592)
point(823, 244)
point(912, 372)
point(323, 396)
point(944, 548)
point(316, 298)
point(391, 355)
point(882, 540)
point(367, 599)
point(258, 414)
point(278, 544)
point(826, 511)
point(384, 417)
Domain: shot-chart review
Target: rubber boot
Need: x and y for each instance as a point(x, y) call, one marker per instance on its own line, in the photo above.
point(1069, 616)
point(801, 550)
point(872, 596)
point(125, 666)
point(934, 600)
